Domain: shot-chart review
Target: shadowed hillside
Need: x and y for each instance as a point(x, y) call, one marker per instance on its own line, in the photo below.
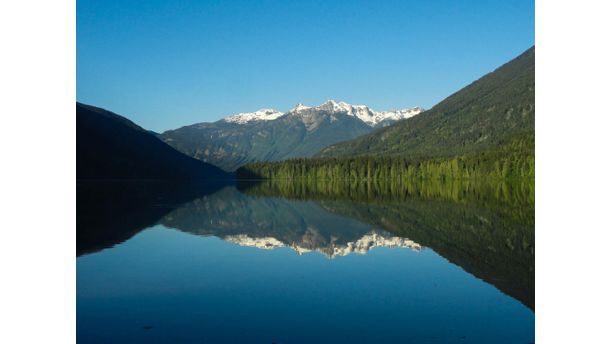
point(112, 147)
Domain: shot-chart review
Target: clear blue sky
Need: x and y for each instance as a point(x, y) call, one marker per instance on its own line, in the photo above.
point(166, 64)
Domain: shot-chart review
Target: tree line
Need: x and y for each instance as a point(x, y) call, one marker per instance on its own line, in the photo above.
point(514, 159)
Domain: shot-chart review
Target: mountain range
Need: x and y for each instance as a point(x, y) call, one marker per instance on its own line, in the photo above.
point(270, 135)
point(270, 223)
point(494, 115)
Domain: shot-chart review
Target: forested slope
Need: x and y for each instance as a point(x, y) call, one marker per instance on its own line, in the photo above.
point(479, 117)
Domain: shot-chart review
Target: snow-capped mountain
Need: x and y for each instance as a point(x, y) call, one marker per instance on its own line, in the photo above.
point(362, 112)
point(269, 135)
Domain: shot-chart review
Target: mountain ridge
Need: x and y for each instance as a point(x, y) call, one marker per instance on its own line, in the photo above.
point(363, 112)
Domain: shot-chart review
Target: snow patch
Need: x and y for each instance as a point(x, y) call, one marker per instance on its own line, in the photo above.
point(259, 115)
point(299, 107)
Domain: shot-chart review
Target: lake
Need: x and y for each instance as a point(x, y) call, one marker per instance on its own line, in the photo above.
point(305, 263)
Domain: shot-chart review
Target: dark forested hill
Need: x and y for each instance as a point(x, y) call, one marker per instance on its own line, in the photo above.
point(110, 146)
point(479, 117)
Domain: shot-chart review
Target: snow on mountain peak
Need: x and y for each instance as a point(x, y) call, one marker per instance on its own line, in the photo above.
point(367, 115)
point(335, 106)
point(299, 107)
point(363, 112)
point(259, 115)
point(396, 115)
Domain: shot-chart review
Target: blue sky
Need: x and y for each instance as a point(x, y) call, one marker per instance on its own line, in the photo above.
point(165, 64)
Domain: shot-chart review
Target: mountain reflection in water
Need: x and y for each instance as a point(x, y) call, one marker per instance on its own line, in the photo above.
point(425, 262)
point(272, 222)
point(361, 246)
point(486, 229)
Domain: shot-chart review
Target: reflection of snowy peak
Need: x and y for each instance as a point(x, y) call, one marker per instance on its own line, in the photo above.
point(362, 112)
point(264, 243)
point(332, 250)
point(370, 241)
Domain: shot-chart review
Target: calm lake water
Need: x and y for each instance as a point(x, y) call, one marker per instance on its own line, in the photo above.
point(305, 264)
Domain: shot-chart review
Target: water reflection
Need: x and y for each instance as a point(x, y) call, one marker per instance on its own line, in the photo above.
point(486, 228)
point(267, 277)
point(270, 222)
point(109, 213)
